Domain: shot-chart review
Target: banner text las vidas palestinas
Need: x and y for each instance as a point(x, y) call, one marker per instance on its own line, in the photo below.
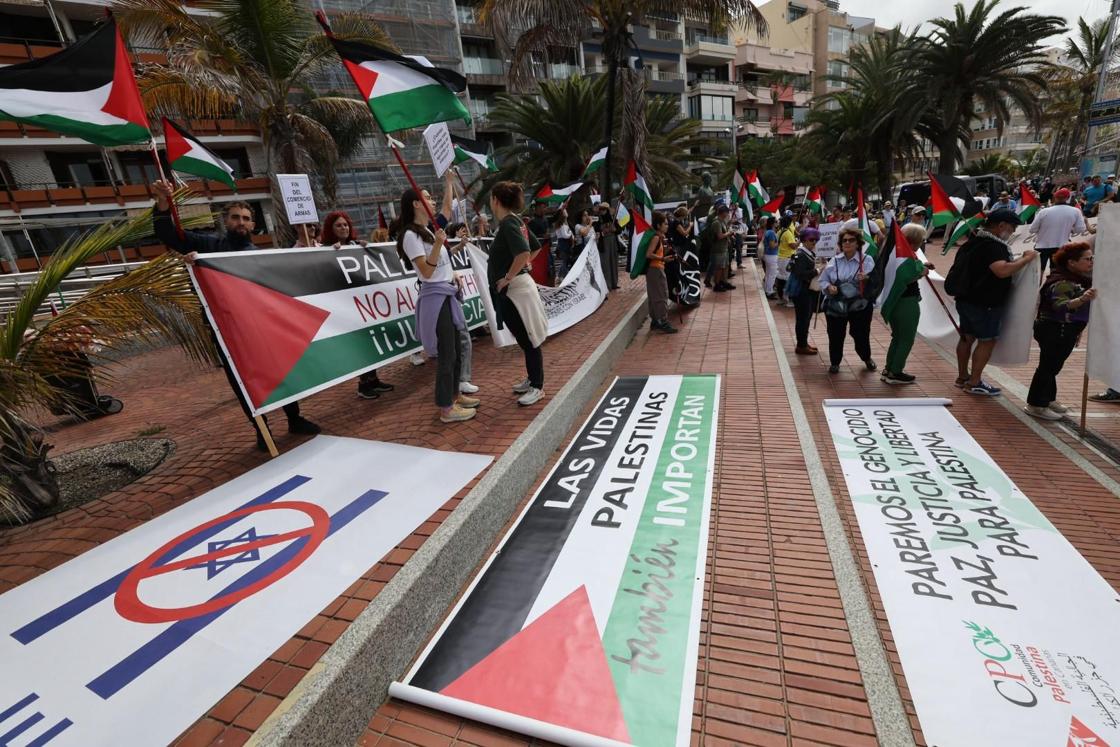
point(296, 321)
point(1006, 634)
point(583, 627)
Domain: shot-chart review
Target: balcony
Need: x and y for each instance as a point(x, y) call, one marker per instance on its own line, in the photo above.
point(14, 50)
point(12, 133)
point(485, 71)
point(657, 40)
point(664, 81)
point(705, 48)
point(562, 70)
point(30, 195)
point(713, 87)
point(470, 25)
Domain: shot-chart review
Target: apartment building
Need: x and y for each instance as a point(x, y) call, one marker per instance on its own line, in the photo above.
point(53, 187)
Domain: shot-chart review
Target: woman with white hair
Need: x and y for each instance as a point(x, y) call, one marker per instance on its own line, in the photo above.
point(904, 317)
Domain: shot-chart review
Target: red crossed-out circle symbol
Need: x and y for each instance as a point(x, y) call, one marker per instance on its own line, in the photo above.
point(129, 606)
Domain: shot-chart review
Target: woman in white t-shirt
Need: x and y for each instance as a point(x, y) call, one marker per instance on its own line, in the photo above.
point(562, 238)
point(439, 312)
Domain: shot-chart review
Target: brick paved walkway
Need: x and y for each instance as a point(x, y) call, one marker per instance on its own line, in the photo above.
point(214, 443)
point(777, 664)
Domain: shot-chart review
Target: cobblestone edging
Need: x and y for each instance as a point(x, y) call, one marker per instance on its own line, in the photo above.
point(333, 702)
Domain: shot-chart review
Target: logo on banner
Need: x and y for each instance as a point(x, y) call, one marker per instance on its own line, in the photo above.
point(206, 570)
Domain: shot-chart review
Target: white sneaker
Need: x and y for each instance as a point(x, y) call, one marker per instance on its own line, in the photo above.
point(1057, 407)
point(417, 359)
point(465, 387)
point(531, 397)
point(522, 386)
point(1042, 413)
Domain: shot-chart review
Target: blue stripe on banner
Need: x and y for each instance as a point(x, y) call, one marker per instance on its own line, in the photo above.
point(50, 733)
point(7, 737)
point(79, 604)
point(5, 715)
point(152, 652)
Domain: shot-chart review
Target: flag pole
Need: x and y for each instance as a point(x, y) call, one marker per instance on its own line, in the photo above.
point(163, 178)
point(394, 146)
point(1084, 398)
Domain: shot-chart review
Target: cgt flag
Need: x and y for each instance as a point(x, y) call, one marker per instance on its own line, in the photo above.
point(86, 91)
point(296, 322)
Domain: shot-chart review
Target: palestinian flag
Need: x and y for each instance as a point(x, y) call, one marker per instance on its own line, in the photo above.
point(964, 227)
point(188, 156)
point(944, 211)
point(86, 91)
point(740, 195)
point(1028, 203)
point(643, 219)
point(596, 162)
point(815, 201)
point(294, 325)
point(872, 249)
point(403, 92)
point(473, 150)
point(559, 195)
point(774, 207)
point(636, 185)
point(900, 267)
point(756, 190)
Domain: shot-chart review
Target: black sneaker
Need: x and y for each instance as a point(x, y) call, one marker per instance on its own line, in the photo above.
point(669, 329)
point(303, 427)
point(834, 369)
point(720, 288)
point(367, 391)
point(870, 364)
point(728, 286)
point(381, 387)
point(897, 378)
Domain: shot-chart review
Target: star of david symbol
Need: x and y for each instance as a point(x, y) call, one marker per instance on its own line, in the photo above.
point(214, 566)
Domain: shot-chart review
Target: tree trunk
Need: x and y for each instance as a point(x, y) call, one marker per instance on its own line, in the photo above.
point(612, 81)
point(884, 165)
point(634, 119)
point(25, 468)
point(947, 157)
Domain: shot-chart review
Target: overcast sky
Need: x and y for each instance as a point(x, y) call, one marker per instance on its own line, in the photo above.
point(910, 13)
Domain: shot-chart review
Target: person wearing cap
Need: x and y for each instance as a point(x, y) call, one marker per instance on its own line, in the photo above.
point(1004, 202)
point(804, 268)
point(888, 214)
point(918, 215)
point(1096, 193)
point(1053, 226)
point(981, 304)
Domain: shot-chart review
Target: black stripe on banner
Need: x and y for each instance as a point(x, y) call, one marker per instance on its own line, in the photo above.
point(84, 66)
point(307, 273)
point(500, 603)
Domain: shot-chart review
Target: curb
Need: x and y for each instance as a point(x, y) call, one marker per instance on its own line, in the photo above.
point(335, 700)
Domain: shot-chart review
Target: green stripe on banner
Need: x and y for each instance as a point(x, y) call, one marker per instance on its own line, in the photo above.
point(417, 106)
point(646, 638)
point(125, 133)
point(327, 359)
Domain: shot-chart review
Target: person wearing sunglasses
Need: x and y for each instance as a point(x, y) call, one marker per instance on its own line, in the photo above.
point(847, 283)
point(803, 271)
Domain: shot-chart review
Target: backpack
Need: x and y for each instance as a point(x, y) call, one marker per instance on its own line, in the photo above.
point(794, 286)
point(959, 280)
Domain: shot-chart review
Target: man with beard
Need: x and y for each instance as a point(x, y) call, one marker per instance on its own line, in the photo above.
point(237, 218)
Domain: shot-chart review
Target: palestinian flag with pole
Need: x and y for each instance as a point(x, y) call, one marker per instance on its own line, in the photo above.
point(740, 195)
point(900, 266)
point(815, 201)
point(944, 211)
point(558, 195)
point(964, 227)
point(1028, 203)
point(296, 322)
point(643, 219)
point(756, 190)
point(774, 207)
point(189, 156)
point(86, 91)
point(865, 226)
point(402, 92)
point(473, 150)
point(596, 162)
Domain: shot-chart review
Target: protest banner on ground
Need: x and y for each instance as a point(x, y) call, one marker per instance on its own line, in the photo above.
point(1006, 634)
point(131, 642)
point(583, 626)
point(1103, 363)
point(582, 291)
point(293, 322)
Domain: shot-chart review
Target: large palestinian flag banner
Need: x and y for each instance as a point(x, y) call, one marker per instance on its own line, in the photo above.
point(403, 92)
point(86, 91)
point(297, 321)
point(583, 627)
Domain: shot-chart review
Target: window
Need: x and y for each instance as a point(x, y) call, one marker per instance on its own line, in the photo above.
point(77, 169)
point(839, 40)
point(750, 115)
point(794, 12)
point(139, 167)
point(711, 107)
point(840, 70)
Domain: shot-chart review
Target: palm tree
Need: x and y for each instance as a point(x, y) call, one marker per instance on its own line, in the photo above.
point(545, 24)
point(840, 132)
point(556, 135)
point(261, 61)
point(1076, 85)
point(153, 304)
point(993, 163)
point(985, 56)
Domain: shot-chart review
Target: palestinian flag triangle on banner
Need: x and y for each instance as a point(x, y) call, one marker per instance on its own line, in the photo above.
point(774, 207)
point(1028, 203)
point(86, 91)
point(189, 156)
point(964, 227)
point(473, 150)
point(402, 92)
point(754, 187)
point(815, 201)
point(901, 267)
point(558, 195)
point(944, 211)
point(596, 162)
point(872, 249)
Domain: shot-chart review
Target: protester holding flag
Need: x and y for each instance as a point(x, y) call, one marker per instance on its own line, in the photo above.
point(803, 272)
point(517, 303)
point(846, 281)
point(238, 220)
point(900, 299)
point(439, 313)
point(1053, 226)
point(1063, 312)
point(657, 288)
point(980, 281)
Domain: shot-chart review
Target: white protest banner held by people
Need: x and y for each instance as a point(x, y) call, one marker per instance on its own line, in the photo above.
point(1103, 362)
